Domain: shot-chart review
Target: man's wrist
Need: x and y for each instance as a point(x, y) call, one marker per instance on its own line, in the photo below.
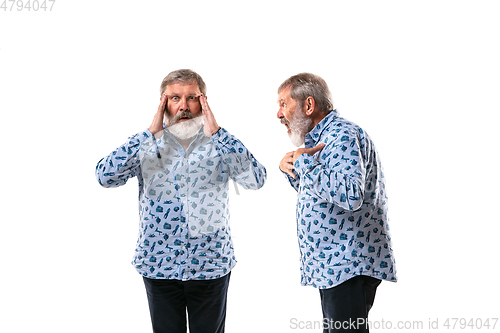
point(215, 132)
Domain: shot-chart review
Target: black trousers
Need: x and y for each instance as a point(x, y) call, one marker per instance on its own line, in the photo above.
point(204, 300)
point(346, 306)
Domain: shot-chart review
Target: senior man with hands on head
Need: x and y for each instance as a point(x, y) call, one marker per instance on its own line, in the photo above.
point(184, 251)
point(341, 204)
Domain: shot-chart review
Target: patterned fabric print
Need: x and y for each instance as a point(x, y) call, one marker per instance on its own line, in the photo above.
point(197, 176)
point(341, 207)
point(176, 187)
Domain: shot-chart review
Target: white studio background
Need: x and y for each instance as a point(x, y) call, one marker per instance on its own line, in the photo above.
point(421, 77)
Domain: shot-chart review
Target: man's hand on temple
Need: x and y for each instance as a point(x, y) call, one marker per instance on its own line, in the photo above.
point(210, 126)
point(157, 124)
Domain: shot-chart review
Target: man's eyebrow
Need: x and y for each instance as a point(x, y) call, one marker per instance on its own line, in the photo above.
point(177, 95)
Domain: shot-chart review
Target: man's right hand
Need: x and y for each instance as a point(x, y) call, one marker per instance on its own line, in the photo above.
point(157, 124)
point(286, 164)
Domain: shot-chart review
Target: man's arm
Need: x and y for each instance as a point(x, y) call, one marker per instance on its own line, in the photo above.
point(337, 174)
point(122, 164)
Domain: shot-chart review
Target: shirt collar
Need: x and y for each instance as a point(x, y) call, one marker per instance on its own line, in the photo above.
point(313, 136)
point(195, 140)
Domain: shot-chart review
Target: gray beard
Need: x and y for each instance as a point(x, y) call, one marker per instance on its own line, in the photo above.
point(299, 126)
point(186, 129)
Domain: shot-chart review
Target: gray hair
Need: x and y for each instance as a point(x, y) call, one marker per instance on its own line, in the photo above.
point(183, 76)
point(306, 85)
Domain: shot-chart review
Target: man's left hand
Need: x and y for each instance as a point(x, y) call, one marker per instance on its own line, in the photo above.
point(210, 126)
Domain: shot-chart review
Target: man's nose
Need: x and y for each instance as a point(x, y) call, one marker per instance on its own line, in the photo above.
point(280, 114)
point(184, 105)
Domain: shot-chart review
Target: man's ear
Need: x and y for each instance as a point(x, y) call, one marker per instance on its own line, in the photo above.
point(309, 105)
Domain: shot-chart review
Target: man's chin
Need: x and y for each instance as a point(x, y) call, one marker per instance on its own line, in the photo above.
point(297, 139)
point(186, 128)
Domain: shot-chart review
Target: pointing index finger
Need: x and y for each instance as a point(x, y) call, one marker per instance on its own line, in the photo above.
point(317, 148)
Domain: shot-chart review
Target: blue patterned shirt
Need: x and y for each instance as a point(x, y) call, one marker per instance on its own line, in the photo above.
point(341, 207)
point(183, 200)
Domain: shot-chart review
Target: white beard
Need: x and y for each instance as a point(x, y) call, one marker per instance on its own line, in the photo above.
point(186, 129)
point(297, 138)
point(299, 126)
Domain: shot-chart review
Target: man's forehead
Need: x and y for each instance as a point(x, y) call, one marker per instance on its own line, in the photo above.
point(181, 87)
point(284, 94)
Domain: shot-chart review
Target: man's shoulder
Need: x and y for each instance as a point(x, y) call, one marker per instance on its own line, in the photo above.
point(341, 127)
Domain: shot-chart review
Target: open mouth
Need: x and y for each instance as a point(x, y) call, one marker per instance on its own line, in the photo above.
point(184, 118)
point(286, 123)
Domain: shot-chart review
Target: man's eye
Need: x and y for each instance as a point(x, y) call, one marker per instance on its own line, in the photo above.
point(175, 98)
point(192, 98)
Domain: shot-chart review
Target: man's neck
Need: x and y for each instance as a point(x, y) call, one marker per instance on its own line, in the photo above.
point(185, 142)
point(319, 117)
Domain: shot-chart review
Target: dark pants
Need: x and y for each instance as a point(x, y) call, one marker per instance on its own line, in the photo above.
point(205, 301)
point(346, 306)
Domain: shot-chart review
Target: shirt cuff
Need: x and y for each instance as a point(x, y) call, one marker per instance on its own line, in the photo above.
point(142, 136)
point(221, 136)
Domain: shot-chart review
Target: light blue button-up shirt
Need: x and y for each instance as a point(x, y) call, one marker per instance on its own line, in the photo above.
point(341, 207)
point(183, 200)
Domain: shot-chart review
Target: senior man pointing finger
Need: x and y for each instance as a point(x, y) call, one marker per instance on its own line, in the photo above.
point(342, 225)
